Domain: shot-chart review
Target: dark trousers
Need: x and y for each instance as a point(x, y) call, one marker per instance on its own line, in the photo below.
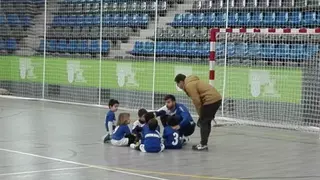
point(207, 114)
point(185, 131)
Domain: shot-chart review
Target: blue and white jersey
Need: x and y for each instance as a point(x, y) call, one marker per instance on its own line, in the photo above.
point(172, 139)
point(182, 111)
point(152, 141)
point(120, 132)
point(145, 130)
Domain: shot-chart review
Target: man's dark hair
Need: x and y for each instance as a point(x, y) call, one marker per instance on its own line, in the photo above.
point(170, 96)
point(173, 121)
point(153, 124)
point(142, 112)
point(148, 116)
point(179, 77)
point(112, 102)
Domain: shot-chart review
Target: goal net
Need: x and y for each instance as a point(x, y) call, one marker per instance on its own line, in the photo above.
point(268, 77)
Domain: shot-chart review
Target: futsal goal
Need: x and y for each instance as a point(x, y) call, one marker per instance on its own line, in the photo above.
point(267, 76)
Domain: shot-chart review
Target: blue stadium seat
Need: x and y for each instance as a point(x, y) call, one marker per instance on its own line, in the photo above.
point(138, 46)
point(188, 20)
point(231, 49)
point(96, 20)
point(11, 44)
point(71, 20)
point(148, 48)
point(116, 20)
point(268, 19)
point(181, 49)
point(268, 50)
point(72, 46)
point(232, 18)
point(295, 18)
point(220, 49)
point(161, 45)
point(255, 19)
point(126, 20)
point(241, 50)
point(61, 45)
point(13, 19)
point(297, 51)
point(311, 50)
point(243, 19)
point(2, 44)
point(2, 19)
point(62, 20)
point(309, 18)
point(254, 50)
point(192, 48)
point(282, 51)
point(209, 20)
point(105, 47)
point(94, 46)
point(170, 48)
point(201, 20)
point(82, 46)
point(52, 45)
point(281, 18)
point(144, 19)
point(204, 49)
point(177, 20)
point(88, 20)
point(107, 19)
point(80, 20)
point(220, 19)
point(41, 46)
point(25, 20)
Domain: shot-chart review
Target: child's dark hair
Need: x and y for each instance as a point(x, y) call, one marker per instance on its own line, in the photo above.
point(153, 124)
point(148, 116)
point(179, 77)
point(142, 112)
point(112, 102)
point(173, 121)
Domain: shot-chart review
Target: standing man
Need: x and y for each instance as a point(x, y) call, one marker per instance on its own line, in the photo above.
point(206, 100)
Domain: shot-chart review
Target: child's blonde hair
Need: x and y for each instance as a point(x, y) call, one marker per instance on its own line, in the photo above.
point(123, 119)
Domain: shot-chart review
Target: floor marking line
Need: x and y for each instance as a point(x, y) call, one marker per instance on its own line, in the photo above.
point(41, 171)
point(176, 174)
point(83, 164)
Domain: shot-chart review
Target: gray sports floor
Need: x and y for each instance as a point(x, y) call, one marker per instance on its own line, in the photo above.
point(51, 141)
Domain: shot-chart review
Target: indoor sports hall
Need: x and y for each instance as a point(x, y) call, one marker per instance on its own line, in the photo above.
point(61, 61)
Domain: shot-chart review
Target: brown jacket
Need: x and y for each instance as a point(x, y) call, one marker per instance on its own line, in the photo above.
point(200, 92)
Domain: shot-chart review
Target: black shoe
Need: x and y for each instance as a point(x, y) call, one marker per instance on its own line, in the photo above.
point(107, 139)
point(200, 147)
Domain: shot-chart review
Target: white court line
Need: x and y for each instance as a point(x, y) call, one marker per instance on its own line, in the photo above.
point(41, 171)
point(81, 164)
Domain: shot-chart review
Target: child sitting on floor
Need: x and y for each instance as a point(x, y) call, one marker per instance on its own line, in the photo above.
point(152, 139)
point(138, 124)
point(110, 119)
point(122, 134)
point(171, 137)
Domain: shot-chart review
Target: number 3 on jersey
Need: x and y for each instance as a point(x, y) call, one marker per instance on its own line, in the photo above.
point(175, 139)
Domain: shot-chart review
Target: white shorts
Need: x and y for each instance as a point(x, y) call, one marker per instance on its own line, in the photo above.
point(121, 142)
point(143, 150)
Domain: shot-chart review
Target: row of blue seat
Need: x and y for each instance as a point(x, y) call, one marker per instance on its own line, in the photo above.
point(241, 50)
point(9, 44)
point(24, 1)
point(268, 50)
point(14, 19)
point(75, 46)
point(172, 48)
point(108, 19)
point(294, 18)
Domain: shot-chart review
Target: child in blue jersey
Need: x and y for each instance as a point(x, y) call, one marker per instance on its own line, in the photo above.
point(144, 129)
point(122, 134)
point(110, 119)
point(138, 124)
point(171, 134)
point(152, 139)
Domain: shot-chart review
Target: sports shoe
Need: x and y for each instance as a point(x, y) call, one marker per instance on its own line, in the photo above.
point(200, 147)
point(107, 139)
point(185, 140)
point(133, 146)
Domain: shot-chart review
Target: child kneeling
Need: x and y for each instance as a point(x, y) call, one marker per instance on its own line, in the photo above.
point(151, 138)
point(122, 135)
